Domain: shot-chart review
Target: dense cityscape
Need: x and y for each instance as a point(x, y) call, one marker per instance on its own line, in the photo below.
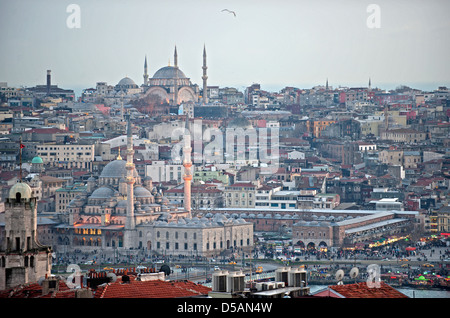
point(169, 187)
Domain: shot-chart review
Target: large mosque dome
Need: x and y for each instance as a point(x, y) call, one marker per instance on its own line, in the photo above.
point(169, 72)
point(116, 169)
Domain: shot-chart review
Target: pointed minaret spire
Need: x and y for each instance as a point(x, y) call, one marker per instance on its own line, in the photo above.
point(204, 77)
point(370, 84)
point(175, 57)
point(145, 71)
point(187, 163)
point(326, 87)
point(130, 180)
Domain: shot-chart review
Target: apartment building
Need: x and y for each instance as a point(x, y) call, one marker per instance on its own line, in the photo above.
point(67, 156)
point(404, 135)
point(240, 195)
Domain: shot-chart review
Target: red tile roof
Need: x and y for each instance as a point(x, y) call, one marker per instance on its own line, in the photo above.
point(34, 290)
point(118, 289)
point(362, 290)
point(151, 289)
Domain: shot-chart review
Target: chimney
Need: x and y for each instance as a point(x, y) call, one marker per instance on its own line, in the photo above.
point(49, 80)
point(49, 285)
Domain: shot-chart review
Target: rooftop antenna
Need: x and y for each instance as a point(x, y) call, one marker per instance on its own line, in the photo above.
point(339, 276)
point(354, 273)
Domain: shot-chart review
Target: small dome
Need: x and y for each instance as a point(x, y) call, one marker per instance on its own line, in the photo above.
point(102, 193)
point(37, 159)
point(240, 122)
point(23, 189)
point(126, 82)
point(169, 72)
point(142, 192)
point(121, 204)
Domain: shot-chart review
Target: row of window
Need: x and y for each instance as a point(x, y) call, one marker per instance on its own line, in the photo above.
point(209, 246)
point(64, 148)
point(311, 234)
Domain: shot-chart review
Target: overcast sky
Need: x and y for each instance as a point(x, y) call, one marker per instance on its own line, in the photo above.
point(278, 43)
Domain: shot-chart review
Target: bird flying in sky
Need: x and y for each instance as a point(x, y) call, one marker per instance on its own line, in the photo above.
point(234, 13)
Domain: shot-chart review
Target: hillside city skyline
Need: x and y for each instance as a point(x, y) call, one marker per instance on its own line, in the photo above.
point(236, 149)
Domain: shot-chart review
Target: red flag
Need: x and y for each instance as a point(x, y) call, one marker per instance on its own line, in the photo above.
point(22, 146)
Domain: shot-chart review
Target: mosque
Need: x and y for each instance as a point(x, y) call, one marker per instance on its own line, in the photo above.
point(169, 85)
point(119, 211)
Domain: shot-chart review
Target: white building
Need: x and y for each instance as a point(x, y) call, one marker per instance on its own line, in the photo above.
point(161, 171)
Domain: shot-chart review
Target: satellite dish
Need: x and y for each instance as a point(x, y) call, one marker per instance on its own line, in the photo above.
point(339, 276)
point(166, 269)
point(354, 272)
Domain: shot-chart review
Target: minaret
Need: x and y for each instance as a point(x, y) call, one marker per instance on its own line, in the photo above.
point(187, 163)
point(204, 77)
point(175, 88)
point(370, 85)
point(145, 71)
point(326, 86)
point(175, 57)
point(130, 222)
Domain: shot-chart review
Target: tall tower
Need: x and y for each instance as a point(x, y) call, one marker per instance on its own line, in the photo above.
point(187, 163)
point(22, 258)
point(204, 77)
point(175, 87)
point(49, 81)
point(145, 71)
point(175, 57)
point(130, 222)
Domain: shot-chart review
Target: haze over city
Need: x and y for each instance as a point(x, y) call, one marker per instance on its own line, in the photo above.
point(274, 43)
point(229, 150)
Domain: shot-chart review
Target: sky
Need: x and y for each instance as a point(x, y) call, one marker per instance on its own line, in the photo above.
point(299, 43)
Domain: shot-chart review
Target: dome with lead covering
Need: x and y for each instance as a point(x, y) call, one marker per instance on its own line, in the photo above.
point(169, 72)
point(102, 193)
point(142, 192)
point(116, 169)
point(126, 82)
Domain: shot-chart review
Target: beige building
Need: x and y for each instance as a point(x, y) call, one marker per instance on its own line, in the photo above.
point(64, 195)
point(207, 236)
point(443, 220)
point(67, 155)
point(399, 157)
point(391, 156)
point(240, 195)
point(404, 135)
point(411, 159)
point(371, 126)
